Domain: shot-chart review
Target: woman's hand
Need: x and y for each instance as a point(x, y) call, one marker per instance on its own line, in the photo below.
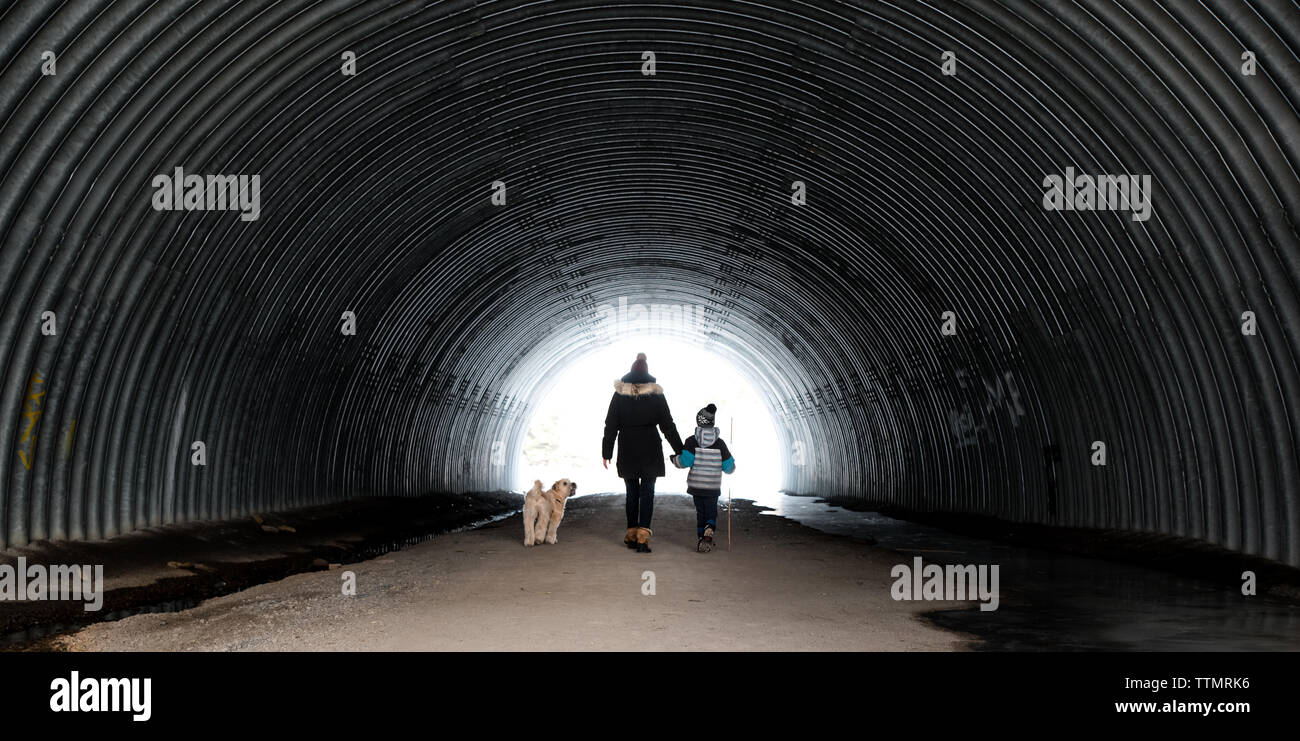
point(605, 463)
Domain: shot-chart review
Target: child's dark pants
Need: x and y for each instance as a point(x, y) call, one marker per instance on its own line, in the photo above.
point(706, 511)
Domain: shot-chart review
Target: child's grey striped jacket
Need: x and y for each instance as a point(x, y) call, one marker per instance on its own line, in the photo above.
point(707, 456)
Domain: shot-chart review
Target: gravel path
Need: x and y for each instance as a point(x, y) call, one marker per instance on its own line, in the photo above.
point(783, 587)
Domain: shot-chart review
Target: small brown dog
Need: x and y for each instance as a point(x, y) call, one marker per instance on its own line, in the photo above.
point(543, 511)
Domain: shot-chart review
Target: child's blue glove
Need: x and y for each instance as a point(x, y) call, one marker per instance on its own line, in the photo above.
point(685, 459)
point(729, 465)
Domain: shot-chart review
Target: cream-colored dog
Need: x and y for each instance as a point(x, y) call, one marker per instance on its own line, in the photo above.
point(543, 511)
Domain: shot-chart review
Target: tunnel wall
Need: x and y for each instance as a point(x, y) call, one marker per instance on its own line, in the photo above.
point(925, 195)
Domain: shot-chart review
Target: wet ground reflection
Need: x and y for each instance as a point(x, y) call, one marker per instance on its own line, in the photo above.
point(1061, 601)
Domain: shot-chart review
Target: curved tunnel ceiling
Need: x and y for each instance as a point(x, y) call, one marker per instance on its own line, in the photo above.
point(925, 195)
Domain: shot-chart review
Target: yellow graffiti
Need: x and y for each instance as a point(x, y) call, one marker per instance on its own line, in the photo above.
point(67, 444)
point(33, 415)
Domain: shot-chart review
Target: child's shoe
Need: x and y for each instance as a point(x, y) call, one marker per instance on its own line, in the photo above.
point(706, 540)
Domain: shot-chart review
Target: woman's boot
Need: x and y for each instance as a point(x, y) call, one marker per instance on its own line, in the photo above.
point(643, 539)
point(630, 539)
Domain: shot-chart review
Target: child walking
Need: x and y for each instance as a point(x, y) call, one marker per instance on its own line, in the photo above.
point(706, 454)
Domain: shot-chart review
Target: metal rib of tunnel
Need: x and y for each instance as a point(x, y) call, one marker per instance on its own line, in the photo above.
point(130, 332)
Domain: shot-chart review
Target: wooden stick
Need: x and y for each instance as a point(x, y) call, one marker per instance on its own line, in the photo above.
point(731, 435)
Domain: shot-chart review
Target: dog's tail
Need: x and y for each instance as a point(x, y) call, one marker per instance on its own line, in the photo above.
point(537, 484)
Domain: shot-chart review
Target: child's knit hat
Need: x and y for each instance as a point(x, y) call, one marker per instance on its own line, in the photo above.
point(704, 417)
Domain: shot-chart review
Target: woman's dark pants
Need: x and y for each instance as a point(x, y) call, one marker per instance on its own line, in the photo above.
point(640, 501)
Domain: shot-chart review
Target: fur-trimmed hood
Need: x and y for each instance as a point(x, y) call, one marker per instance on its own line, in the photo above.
point(637, 389)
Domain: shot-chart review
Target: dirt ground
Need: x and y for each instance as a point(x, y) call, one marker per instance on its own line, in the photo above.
point(782, 587)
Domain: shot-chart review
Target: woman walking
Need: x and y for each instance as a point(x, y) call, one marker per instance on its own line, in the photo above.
point(638, 406)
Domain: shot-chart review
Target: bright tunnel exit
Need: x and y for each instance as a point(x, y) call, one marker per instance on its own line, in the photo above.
point(564, 433)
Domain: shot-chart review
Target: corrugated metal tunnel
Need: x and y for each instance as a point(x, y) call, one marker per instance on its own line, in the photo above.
point(130, 331)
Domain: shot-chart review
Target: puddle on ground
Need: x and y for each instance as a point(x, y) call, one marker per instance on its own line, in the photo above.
point(1061, 601)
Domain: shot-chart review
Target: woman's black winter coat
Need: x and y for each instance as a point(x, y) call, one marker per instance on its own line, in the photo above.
point(634, 412)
